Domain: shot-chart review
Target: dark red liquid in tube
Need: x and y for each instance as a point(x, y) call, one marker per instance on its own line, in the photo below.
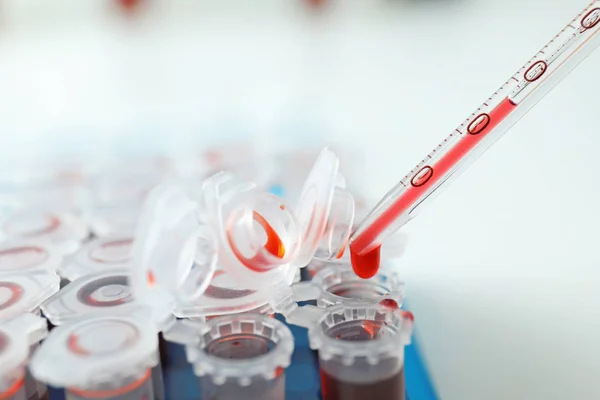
point(366, 264)
point(392, 388)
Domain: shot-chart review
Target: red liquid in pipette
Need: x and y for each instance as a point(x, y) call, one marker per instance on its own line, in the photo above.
point(366, 265)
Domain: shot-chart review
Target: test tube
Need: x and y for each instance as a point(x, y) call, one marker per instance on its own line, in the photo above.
point(334, 285)
point(361, 351)
point(100, 357)
point(15, 337)
point(241, 356)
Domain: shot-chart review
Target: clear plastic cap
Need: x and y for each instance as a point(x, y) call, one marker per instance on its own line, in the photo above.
point(176, 248)
point(94, 351)
point(255, 239)
point(22, 292)
point(262, 244)
point(325, 212)
point(335, 285)
point(173, 255)
point(24, 255)
point(223, 296)
point(106, 291)
point(16, 337)
point(239, 347)
point(258, 237)
point(98, 255)
point(64, 230)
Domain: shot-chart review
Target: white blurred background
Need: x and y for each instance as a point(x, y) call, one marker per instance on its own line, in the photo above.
point(502, 269)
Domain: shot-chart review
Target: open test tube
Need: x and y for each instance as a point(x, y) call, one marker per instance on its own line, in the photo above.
point(361, 351)
point(100, 357)
point(241, 356)
point(16, 336)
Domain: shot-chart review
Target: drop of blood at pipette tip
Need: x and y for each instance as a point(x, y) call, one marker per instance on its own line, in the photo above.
point(389, 303)
point(365, 265)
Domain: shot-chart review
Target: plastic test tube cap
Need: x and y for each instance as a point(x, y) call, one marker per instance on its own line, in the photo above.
point(93, 352)
point(25, 255)
point(98, 255)
point(223, 296)
point(325, 211)
point(64, 230)
point(174, 255)
point(99, 293)
point(23, 292)
point(179, 242)
point(16, 337)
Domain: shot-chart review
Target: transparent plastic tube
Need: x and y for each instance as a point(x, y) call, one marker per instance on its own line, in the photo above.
point(259, 388)
point(241, 356)
point(140, 388)
point(361, 352)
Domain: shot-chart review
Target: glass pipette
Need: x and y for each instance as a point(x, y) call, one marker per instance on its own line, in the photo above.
point(475, 135)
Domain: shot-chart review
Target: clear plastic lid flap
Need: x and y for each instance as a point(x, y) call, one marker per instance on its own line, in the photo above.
point(174, 256)
point(314, 208)
point(258, 235)
point(100, 292)
point(339, 225)
point(24, 292)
